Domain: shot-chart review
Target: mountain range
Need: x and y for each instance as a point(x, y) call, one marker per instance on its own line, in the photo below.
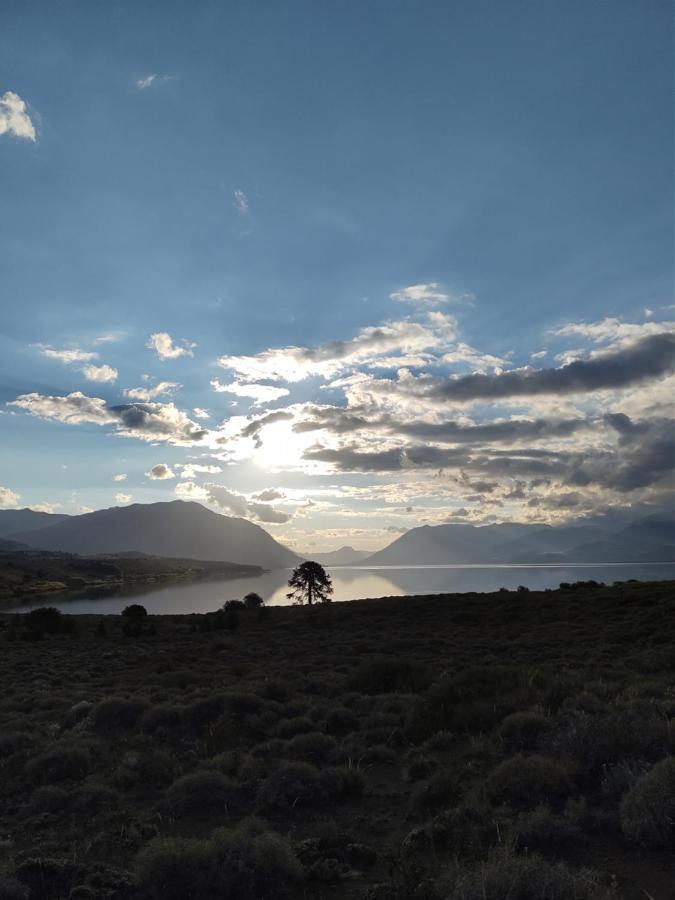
point(181, 529)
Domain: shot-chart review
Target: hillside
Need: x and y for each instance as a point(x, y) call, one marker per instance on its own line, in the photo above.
point(177, 529)
point(506, 746)
point(344, 556)
point(14, 520)
point(649, 539)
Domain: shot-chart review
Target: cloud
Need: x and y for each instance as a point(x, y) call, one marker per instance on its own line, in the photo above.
point(240, 505)
point(200, 413)
point(147, 394)
point(241, 202)
point(189, 470)
point(160, 472)
point(421, 293)
point(293, 364)
point(253, 429)
point(14, 118)
point(68, 356)
point(268, 495)
point(650, 357)
point(123, 498)
point(259, 393)
point(122, 476)
point(145, 421)
point(8, 497)
point(188, 490)
point(142, 84)
point(162, 343)
point(104, 373)
point(613, 330)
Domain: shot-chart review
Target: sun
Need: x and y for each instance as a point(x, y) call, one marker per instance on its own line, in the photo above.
point(281, 447)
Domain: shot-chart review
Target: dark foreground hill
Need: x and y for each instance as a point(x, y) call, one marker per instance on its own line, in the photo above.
point(457, 747)
point(175, 529)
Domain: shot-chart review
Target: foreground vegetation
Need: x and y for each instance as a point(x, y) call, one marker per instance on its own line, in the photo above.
point(34, 572)
point(512, 746)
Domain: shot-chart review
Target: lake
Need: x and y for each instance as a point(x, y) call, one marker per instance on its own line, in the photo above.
point(349, 582)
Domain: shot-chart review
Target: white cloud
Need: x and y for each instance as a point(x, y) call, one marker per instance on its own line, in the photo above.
point(122, 476)
point(188, 490)
point(538, 354)
point(259, 393)
point(200, 413)
point(14, 118)
point(162, 343)
point(612, 330)
point(241, 202)
point(432, 292)
point(189, 470)
point(69, 355)
point(75, 408)
point(45, 507)
point(8, 497)
point(293, 364)
point(160, 472)
point(122, 498)
point(85, 509)
point(147, 394)
point(142, 84)
point(240, 505)
point(103, 374)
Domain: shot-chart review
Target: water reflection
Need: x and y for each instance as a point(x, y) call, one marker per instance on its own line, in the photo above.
point(349, 583)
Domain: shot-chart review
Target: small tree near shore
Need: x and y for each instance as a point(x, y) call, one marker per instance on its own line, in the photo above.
point(310, 583)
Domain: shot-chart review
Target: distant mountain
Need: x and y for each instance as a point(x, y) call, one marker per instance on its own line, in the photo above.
point(15, 520)
point(176, 529)
point(7, 546)
point(345, 556)
point(650, 539)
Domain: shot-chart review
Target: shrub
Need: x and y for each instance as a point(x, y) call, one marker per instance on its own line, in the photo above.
point(648, 809)
point(135, 612)
point(164, 717)
point(526, 781)
point(92, 799)
point(232, 605)
point(13, 742)
point(253, 601)
point(313, 746)
point(293, 784)
point(12, 889)
point(389, 674)
point(522, 731)
point(50, 798)
point(58, 764)
point(248, 862)
point(289, 728)
point(118, 714)
point(507, 875)
point(176, 868)
point(442, 790)
point(341, 721)
point(199, 792)
point(46, 619)
point(77, 713)
point(342, 782)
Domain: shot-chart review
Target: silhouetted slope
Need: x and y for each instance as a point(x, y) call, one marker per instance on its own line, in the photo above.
point(15, 520)
point(174, 529)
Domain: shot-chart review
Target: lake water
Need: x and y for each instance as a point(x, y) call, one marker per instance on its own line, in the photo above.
point(350, 583)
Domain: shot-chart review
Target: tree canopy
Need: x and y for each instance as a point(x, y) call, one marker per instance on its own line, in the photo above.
point(310, 583)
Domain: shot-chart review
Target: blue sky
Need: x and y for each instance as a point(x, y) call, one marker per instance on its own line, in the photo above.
point(244, 177)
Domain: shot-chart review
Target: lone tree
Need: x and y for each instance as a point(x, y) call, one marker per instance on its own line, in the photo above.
point(310, 582)
point(253, 601)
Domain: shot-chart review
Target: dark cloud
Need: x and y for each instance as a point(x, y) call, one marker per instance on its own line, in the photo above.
point(650, 357)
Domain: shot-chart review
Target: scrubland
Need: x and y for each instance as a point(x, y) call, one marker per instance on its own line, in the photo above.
point(507, 746)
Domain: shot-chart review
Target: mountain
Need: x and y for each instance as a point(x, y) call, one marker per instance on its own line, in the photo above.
point(15, 520)
point(7, 546)
point(432, 545)
point(649, 539)
point(345, 556)
point(176, 529)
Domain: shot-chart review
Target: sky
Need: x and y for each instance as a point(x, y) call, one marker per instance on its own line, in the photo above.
point(342, 269)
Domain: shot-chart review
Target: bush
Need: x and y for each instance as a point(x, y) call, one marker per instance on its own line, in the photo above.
point(248, 863)
point(200, 792)
point(13, 742)
point(522, 731)
point(313, 747)
point(12, 889)
point(648, 809)
point(58, 764)
point(118, 714)
point(135, 612)
point(442, 790)
point(253, 601)
point(293, 784)
point(46, 619)
point(389, 674)
point(49, 799)
point(524, 782)
point(506, 875)
point(289, 728)
point(341, 721)
point(164, 717)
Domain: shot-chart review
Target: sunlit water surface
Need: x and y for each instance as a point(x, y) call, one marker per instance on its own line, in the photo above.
point(350, 583)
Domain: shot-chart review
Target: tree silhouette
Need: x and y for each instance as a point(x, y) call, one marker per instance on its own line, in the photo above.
point(311, 583)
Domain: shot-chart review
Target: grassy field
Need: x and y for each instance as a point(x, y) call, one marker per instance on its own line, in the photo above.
point(26, 574)
point(507, 746)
